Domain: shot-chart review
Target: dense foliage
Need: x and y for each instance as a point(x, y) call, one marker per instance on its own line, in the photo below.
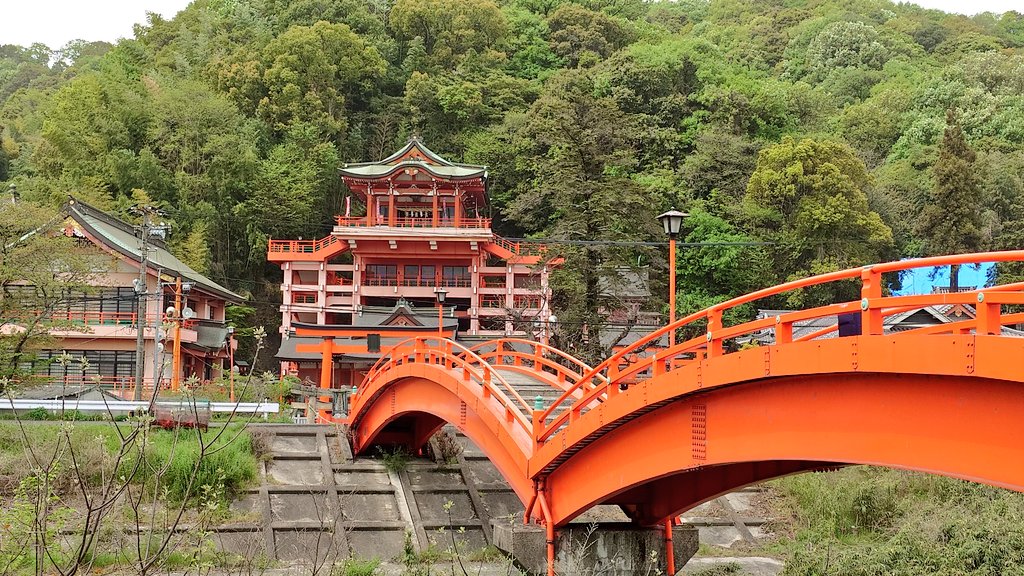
point(866, 521)
point(817, 127)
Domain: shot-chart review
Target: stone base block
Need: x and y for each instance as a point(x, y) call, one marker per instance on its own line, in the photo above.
point(610, 548)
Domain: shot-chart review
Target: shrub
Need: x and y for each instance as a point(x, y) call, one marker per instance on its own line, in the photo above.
point(395, 460)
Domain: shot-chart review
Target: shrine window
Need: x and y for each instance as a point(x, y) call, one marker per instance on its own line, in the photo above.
point(456, 276)
point(415, 275)
point(381, 275)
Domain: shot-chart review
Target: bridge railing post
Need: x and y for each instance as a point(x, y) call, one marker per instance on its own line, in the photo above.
point(714, 326)
point(988, 316)
point(783, 331)
point(537, 416)
point(870, 289)
point(657, 366)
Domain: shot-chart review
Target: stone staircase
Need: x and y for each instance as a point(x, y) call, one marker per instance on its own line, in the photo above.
point(315, 503)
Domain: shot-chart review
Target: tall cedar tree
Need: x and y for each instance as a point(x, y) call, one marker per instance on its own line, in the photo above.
point(583, 147)
point(951, 220)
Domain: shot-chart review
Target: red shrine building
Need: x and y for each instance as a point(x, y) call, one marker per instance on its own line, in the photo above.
point(374, 281)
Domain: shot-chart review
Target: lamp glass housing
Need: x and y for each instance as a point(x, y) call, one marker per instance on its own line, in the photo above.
point(672, 222)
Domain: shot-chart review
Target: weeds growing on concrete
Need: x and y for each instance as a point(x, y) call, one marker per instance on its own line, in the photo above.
point(353, 567)
point(448, 446)
point(719, 570)
point(396, 459)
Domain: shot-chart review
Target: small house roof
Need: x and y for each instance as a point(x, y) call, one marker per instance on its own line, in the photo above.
point(122, 237)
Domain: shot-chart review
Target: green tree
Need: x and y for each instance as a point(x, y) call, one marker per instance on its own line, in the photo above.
point(39, 271)
point(951, 220)
point(846, 44)
point(808, 198)
point(580, 160)
point(720, 269)
point(449, 28)
point(577, 32)
point(309, 72)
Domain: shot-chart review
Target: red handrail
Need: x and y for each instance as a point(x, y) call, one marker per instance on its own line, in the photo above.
point(520, 248)
point(301, 246)
point(873, 306)
point(454, 355)
point(537, 352)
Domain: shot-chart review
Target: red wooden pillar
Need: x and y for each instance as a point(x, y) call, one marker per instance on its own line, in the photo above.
point(437, 216)
point(326, 373)
point(369, 209)
point(391, 209)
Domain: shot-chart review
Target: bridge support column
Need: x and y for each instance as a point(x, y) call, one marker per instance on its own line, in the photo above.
point(613, 548)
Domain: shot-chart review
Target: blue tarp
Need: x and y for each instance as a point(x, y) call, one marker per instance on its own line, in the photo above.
point(921, 280)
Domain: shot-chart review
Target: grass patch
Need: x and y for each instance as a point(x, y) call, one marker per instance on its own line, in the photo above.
point(355, 567)
point(865, 521)
point(230, 463)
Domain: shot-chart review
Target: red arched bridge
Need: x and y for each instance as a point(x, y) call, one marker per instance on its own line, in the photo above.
point(660, 430)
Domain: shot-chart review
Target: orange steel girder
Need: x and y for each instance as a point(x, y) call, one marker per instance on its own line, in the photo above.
point(962, 427)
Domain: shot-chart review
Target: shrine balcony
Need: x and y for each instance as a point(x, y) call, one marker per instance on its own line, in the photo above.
point(374, 281)
point(401, 222)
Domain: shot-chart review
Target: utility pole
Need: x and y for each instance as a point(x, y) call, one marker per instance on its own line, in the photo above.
point(176, 361)
point(141, 291)
point(181, 313)
point(140, 309)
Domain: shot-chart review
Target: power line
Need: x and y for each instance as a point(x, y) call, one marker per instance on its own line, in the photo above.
point(632, 243)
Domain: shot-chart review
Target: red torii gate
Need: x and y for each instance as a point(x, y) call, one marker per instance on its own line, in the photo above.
point(328, 347)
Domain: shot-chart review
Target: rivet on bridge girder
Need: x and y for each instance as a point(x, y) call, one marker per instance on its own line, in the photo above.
point(981, 297)
point(709, 336)
point(864, 304)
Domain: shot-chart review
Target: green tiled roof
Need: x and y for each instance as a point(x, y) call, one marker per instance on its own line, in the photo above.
point(432, 163)
point(120, 236)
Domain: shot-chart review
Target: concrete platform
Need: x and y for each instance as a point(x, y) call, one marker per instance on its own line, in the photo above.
point(611, 548)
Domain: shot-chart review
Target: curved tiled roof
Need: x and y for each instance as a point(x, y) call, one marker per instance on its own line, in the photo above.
point(120, 236)
point(414, 154)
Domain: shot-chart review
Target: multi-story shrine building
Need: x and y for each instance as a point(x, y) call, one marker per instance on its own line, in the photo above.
point(373, 281)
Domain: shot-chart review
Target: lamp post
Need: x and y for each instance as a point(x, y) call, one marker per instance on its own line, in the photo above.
point(672, 222)
point(231, 362)
point(440, 293)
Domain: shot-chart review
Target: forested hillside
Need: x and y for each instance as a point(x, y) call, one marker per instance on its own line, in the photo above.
point(838, 131)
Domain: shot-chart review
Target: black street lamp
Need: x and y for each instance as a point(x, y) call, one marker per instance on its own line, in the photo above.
point(440, 293)
point(672, 221)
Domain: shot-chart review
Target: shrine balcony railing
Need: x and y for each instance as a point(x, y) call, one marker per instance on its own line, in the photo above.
point(417, 282)
point(302, 246)
point(90, 318)
point(397, 222)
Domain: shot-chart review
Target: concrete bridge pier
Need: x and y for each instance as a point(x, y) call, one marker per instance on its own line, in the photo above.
point(612, 548)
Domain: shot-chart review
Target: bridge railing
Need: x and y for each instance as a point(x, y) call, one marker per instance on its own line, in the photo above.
point(617, 372)
point(450, 355)
point(523, 354)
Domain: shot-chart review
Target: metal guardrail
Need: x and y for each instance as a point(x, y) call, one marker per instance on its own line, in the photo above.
point(127, 405)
